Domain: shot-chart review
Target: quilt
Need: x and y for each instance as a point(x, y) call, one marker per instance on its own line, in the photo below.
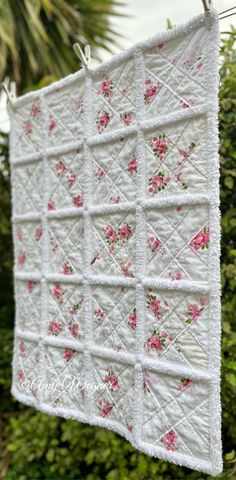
point(115, 197)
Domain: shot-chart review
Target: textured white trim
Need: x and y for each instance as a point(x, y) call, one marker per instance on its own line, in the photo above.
point(159, 284)
point(214, 246)
point(45, 257)
point(170, 201)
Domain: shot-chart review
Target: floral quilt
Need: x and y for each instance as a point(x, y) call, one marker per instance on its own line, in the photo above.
point(116, 238)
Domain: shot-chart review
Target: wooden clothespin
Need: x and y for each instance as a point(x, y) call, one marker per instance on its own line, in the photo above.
point(85, 57)
point(207, 4)
point(11, 95)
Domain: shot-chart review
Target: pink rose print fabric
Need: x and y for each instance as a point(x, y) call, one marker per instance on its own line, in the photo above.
point(115, 224)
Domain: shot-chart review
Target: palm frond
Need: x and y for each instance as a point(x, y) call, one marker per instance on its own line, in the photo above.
point(36, 36)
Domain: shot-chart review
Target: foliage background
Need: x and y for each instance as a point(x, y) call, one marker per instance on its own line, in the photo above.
point(36, 446)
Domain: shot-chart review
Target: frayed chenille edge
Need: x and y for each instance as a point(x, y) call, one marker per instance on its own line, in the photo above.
point(212, 85)
point(215, 466)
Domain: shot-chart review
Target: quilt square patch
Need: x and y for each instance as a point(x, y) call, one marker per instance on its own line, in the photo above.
point(115, 193)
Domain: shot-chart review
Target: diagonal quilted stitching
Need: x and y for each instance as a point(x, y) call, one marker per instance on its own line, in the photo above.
point(66, 311)
point(66, 180)
point(66, 249)
point(28, 309)
point(27, 185)
point(114, 172)
point(114, 242)
point(114, 318)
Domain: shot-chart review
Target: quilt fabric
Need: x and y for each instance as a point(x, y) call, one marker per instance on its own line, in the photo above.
point(116, 237)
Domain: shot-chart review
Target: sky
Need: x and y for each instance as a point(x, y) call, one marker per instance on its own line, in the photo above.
point(146, 18)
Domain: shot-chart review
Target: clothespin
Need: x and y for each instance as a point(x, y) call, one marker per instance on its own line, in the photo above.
point(207, 4)
point(11, 95)
point(85, 57)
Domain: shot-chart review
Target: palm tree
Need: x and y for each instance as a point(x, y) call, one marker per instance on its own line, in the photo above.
point(36, 36)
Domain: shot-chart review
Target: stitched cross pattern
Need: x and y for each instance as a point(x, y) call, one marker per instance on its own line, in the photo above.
point(116, 238)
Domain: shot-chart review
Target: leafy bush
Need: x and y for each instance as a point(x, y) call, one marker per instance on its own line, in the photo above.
point(36, 446)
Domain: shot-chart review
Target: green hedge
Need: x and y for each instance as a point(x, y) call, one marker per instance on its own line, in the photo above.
point(36, 446)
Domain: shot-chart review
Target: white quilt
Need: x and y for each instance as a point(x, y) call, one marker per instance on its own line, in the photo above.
point(116, 236)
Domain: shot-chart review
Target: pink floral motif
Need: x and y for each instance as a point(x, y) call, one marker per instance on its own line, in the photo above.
point(99, 173)
point(28, 128)
point(67, 268)
point(193, 61)
point(185, 383)
point(78, 201)
point(175, 276)
point(169, 440)
point(61, 168)
point(36, 110)
point(201, 240)
point(112, 380)
point(150, 91)
point(185, 154)
point(155, 306)
point(126, 269)
point(184, 104)
point(195, 311)
point(53, 242)
point(125, 233)
point(22, 349)
point(55, 328)
point(121, 236)
point(97, 257)
point(52, 124)
point(105, 408)
point(19, 234)
point(21, 259)
point(111, 237)
point(155, 342)
point(159, 145)
point(154, 244)
point(21, 375)
point(100, 314)
point(30, 286)
point(38, 233)
point(132, 319)
point(126, 118)
point(106, 89)
point(103, 118)
point(74, 329)
point(115, 199)
point(179, 180)
point(78, 107)
point(75, 308)
point(146, 386)
point(132, 165)
point(51, 205)
point(57, 292)
point(68, 354)
point(71, 180)
point(158, 182)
